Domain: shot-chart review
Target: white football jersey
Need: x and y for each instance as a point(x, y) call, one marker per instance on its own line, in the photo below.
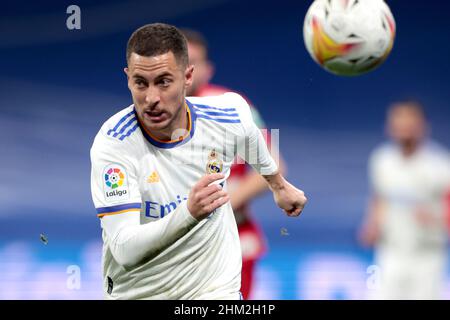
point(136, 176)
point(406, 187)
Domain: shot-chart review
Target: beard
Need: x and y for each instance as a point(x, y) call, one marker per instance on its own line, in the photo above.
point(159, 121)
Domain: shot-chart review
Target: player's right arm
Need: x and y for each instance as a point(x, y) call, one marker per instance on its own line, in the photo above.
point(253, 184)
point(132, 243)
point(369, 233)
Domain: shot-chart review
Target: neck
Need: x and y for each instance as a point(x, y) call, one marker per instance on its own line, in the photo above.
point(409, 148)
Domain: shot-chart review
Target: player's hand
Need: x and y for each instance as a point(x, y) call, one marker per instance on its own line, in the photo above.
point(369, 234)
point(426, 218)
point(290, 199)
point(206, 197)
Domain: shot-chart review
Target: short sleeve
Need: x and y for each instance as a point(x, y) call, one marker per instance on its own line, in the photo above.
point(374, 172)
point(257, 118)
point(114, 180)
point(252, 146)
point(444, 173)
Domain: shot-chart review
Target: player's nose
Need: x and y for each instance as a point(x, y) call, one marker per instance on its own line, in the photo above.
point(152, 96)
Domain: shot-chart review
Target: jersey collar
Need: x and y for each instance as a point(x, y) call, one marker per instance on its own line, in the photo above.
point(173, 143)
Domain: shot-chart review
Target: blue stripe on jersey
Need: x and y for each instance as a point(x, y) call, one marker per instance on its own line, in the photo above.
point(125, 117)
point(216, 113)
point(129, 132)
point(129, 123)
point(224, 120)
point(119, 207)
point(203, 106)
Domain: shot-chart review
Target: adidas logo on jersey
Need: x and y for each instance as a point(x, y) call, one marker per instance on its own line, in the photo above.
point(154, 177)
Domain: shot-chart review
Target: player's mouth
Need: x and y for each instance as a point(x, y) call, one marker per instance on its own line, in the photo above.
point(155, 116)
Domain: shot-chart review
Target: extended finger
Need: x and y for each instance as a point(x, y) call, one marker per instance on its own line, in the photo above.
point(207, 191)
point(213, 197)
point(217, 203)
point(210, 178)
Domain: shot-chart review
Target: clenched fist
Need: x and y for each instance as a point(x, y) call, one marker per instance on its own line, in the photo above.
point(286, 196)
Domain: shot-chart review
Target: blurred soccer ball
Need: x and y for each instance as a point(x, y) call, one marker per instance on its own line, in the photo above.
point(349, 37)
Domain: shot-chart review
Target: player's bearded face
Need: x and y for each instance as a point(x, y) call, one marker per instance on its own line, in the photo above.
point(406, 127)
point(158, 86)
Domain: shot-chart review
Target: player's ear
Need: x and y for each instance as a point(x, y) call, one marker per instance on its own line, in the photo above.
point(127, 72)
point(189, 75)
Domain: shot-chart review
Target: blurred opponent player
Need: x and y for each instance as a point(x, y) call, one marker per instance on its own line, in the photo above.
point(158, 179)
point(244, 184)
point(407, 217)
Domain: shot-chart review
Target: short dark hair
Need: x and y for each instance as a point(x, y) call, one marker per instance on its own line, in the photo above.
point(156, 39)
point(411, 104)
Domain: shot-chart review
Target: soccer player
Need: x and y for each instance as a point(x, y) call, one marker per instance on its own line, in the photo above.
point(406, 219)
point(244, 184)
point(159, 170)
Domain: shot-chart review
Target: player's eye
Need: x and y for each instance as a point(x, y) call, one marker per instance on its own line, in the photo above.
point(164, 82)
point(140, 83)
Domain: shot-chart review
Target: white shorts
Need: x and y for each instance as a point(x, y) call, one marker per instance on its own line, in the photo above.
point(413, 277)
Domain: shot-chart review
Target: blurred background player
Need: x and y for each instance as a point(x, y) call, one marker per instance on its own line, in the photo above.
point(406, 219)
point(244, 184)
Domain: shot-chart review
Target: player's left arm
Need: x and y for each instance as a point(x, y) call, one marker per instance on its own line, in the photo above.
point(253, 149)
point(443, 185)
point(287, 196)
point(447, 207)
point(447, 194)
point(253, 184)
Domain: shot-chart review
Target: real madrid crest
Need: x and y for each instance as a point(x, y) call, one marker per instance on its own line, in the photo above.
point(214, 165)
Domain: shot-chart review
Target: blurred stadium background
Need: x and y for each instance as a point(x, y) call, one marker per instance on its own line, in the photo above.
point(57, 87)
